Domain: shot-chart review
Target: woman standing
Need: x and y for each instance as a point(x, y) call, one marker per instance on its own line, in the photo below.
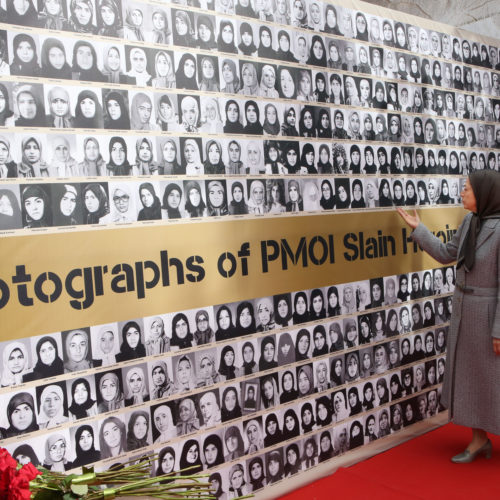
point(475, 246)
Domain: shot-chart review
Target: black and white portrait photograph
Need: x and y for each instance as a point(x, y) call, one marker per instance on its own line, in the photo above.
point(110, 391)
point(19, 413)
point(16, 362)
point(251, 396)
point(85, 444)
point(82, 398)
point(52, 403)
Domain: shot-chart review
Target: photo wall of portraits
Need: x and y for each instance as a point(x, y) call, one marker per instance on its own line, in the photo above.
point(125, 113)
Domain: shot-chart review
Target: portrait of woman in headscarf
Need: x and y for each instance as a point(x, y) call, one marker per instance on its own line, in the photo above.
point(21, 415)
point(82, 405)
point(52, 409)
point(56, 449)
point(16, 364)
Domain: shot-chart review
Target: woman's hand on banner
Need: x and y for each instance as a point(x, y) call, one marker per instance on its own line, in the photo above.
point(412, 220)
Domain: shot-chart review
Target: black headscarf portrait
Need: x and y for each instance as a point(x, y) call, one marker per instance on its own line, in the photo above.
point(84, 457)
point(126, 351)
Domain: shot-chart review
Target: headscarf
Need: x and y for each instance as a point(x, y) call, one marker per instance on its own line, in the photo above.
point(161, 456)
point(122, 123)
point(235, 127)
point(252, 327)
point(253, 128)
point(154, 211)
point(196, 211)
point(21, 398)
point(234, 432)
point(138, 34)
point(77, 409)
point(164, 81)
point(263, 364)
point(163, 36)
point(307, 370)
point(111, 75)
point(253, 447)
point(339, 343)
point(210, 44)
point(253, 89)
point(133, 442)
point(75, 366)
point(295, 432)
point(102, 210)
point(82, 121)
point(186, 40)
point(143, 78)
point(93, 74)
point(215, 418)
point(285, 341)
point(249, 367)
point(42, 370)
point(312, 56)
point(128, 353)
point(230, 47)
point(48, 71)
point(277, 437)
point(27, 451)
point(115, 29)
point(48, 462)
point(214, 440)
point(235, 412)
point(58, 193)
point(117, 401)
point(28, 169)
point(124, 168)
point(9, 378)
point(485, 186)
point(219, 167)
point(246, 50)
point(184, 82)
point(65, 121)
point(169, 167)
point(166, 435)
point(75, 24)
point(29, 18)
point(176, 341)
point(36, 191)
point(271, 128)
point(142, 396)
point(197, 466)
point(145, 167)
point(44, 420)
point(135, 119)
point(84, 457)
point(91, 168)
point(221, 209)
point(17, 66)
point(226, 370)
point(39, 119)
point(166, 388)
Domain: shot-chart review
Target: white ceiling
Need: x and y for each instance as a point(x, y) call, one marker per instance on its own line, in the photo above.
point(479, 16)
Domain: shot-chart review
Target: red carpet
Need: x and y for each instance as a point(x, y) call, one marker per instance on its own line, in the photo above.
point(419, 469)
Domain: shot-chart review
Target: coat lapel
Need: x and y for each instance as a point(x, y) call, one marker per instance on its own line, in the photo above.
point(486, 231)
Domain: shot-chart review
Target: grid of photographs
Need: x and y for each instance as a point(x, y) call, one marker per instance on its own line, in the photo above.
point(256, 373)
point(114, 112)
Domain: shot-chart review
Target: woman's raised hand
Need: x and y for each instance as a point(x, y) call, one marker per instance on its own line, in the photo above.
point(411, 220)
